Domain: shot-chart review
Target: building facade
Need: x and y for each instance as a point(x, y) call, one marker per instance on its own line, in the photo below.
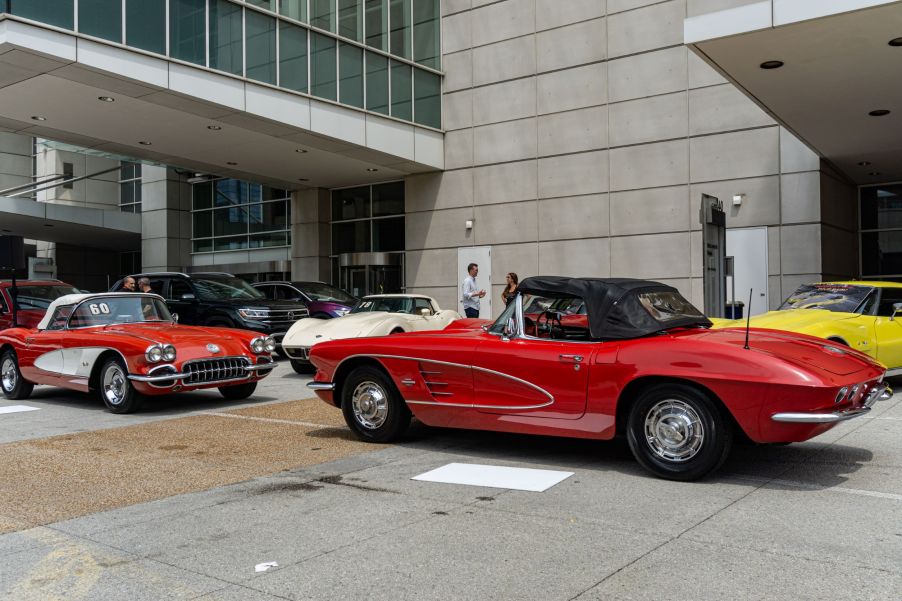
point(367, 142)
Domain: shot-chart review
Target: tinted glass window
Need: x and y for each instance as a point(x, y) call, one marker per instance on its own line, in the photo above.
point(426, 18)
point(888, 298)
point(126, 309)
point(53, 12)
point(225, 37)
point(210, 288)
point(145, 25)
point(427, 108)
point(390, 304)
point(842, 298)
point(187, 23)
point(421, 303)
point(350, 19)
point(401, 91)
point(292, 57)
point(101, 18)
point(179, 287)
point(60, 317)
point(351, 203)
point(40, 297)
point(400, 27)
point(881, 207)
point(267, 291)
point(376, 83)
point(296, 9)
point(322, 66)
point(350, 86)
point(261, 47)
point(325, 292)
point(377, 24)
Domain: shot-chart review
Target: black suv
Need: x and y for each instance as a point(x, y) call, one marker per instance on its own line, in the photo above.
point(223, 300)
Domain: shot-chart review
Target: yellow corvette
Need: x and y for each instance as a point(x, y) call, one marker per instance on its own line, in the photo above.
point(866, 316)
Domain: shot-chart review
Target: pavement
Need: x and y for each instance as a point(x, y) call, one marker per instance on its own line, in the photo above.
point(185, 499)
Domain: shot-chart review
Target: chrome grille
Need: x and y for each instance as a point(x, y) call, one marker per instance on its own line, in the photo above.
point(284, 317)
point(205, 371)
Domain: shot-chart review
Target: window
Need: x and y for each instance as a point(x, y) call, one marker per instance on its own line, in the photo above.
point(426, 20)
point(292, 57)
point(267, 4)
point(101, 18)
point(179, 287)
point(225, 37)
point(368, 219)
point(322, 67)
point(377, 24)
point(376, 83)
point(187, 39)
point(351, 75)
point(421, 303)
point(889, 297)
point(881, 231)
point(400, 27)
point(350, 19)
point(427, 109)
point(400, 91)
point(60, 317)
point(229, 214)
point(294, 9)
point(52, 12)
point(145, 25)
point(130, 187)
point(261, 47)
point(68, 174)
point(322, 14)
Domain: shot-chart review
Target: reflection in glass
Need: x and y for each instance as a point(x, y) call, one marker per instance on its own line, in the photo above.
point(351, 73)
point(426, 20)
point(236, 243)
point(186, 30)
point(351, 203)
point(145, 25)
point(401, 106)
point(202, 195)
point(428, 98)
point(350, 237)
point(267, 240)
point(292, 57)
point(261, 47)
point(101, 18)
point(400, 27)
point(269, 216)
point(52, 12)
point(295, 9)
point(225, 37)
point(202, 224)
point(388, 234)
point(322, 14)
point(230, 192)
point(881, 207)
point(376, 83)
point(267, 4)
point(322, 66)
point(350, 19)
point(388, 199)
point(881, 253)
point(203, 246)
point(229, 221)
point(377, 24)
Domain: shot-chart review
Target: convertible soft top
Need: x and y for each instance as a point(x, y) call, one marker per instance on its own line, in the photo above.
point(618, 308)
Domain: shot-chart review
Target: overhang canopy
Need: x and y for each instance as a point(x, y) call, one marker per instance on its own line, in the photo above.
point(191, 117)
point(838, 66)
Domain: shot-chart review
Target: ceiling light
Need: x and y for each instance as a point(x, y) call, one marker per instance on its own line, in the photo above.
point(38, 118)
point(864, 163)
point(895, 42)
point(106, 99)
point(371, 169)
point(874, 173)
point(771, 64)
point(214, 127)
point(301, 150)
point(879, 113)
point(145, 143)
point(231, 163)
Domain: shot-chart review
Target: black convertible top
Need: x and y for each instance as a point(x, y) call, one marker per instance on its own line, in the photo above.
point(620, 308)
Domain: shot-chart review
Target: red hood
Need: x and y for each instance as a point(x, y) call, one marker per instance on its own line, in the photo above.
point(468, 323)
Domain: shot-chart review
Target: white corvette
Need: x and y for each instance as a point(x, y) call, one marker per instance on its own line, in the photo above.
point(376, 315)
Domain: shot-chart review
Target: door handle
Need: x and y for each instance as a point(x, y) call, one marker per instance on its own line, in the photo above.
point(571, 358)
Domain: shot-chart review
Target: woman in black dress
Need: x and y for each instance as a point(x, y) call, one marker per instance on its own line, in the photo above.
point(510, 289)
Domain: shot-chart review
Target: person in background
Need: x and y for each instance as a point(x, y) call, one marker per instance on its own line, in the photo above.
point(510, 289)
point(470, 294)
point(128, 284)
point(144, 285)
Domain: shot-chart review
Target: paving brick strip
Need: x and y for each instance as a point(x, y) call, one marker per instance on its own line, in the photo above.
point(58, 478)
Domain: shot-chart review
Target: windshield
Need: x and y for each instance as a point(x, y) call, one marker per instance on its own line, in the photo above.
point(225, 288)
point(841, 298)
point(326, 293)
point(668, 306)
point(390, 304)
point(40, 297)
point(107, 310)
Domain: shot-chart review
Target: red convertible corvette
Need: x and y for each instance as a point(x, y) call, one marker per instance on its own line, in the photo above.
point(125, 346)
point(644, 364)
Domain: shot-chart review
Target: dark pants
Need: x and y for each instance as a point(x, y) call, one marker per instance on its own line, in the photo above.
point(471, 312)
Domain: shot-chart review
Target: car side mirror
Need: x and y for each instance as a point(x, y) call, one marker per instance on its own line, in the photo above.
point(187, 297)
point(175, 317)
point(425, 312)
point(897, 308)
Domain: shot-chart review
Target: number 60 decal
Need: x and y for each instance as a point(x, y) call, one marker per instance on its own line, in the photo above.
point(99, 308)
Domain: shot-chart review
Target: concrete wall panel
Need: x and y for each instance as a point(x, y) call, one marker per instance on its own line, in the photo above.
point(653, 256)
point(574, 217)
point(660, 164)
point(572, 88)
point(576, 258)
point(649, 119)
point(648, 74)
point(735, 155)
point(572, 175)
point(506, 182)
point(571, 45)
point(509, 141)
point(650, 210)
point(573, 131)
point(504, 60)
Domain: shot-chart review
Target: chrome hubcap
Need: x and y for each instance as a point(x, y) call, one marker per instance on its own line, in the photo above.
point(8, 374)
point(370, 405)
point(674, 430)
point(114, 385)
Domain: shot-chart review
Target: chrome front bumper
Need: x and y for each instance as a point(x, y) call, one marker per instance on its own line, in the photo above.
point(321, 385)
point(182, 375)
point(881, 392)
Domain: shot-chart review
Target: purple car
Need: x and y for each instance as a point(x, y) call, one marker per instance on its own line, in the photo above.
point(322, 300)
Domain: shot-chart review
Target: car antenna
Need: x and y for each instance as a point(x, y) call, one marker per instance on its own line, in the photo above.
point(748, 319)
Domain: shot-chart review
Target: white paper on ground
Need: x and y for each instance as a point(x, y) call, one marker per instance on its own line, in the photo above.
point(495, 476)
point(17, 409)
point(262, 567)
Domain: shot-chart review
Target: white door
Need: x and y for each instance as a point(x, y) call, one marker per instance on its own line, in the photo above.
point(748, 247)
point(482, 256)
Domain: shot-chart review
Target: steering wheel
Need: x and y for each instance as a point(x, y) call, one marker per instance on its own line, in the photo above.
point(552, 320)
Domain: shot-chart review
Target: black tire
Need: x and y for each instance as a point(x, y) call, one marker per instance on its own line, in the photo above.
point(305, 368)
point(238, 392)
point(379, 413)
point(14, 386)
point(700, 437)
point(115, 389)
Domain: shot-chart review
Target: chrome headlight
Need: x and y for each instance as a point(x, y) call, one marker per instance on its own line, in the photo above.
point(168, 353)
point(253, 313)
point(258, 344)
point(154, 353)
point(269, 344)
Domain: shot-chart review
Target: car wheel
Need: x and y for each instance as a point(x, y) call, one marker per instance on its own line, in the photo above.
point(239, 391)
point(305, 368)
point(677, 432)
point(372, 407)
point(115, 389)
point(14, 386)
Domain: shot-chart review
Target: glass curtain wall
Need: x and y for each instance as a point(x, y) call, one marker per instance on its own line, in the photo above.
point(881, 231)
point(130, 187)
point(230, 214)
point(346, 59)
point(368, 219)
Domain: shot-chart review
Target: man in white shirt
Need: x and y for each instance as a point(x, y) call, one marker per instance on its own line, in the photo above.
point(470, 294)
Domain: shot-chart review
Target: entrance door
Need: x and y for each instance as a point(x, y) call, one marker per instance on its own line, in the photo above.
point(355, 281)
point(482, 256)
point(748, 247)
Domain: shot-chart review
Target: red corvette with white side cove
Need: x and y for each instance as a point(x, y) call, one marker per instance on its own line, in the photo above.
point(125, 346)
point(645, 365)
